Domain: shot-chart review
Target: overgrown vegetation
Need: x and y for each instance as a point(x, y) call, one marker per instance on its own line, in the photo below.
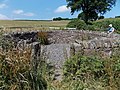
point(80, 24)
point(17, 69)
point(103, 24)
point(90, 73)
point(99, 25)
point(43, 38)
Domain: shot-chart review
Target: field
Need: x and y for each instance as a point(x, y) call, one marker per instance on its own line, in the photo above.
point(36, 24)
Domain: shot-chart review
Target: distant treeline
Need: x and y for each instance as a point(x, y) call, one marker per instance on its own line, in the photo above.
point(117, 16)
point(60, 18)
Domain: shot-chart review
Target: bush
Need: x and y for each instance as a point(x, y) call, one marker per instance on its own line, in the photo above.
point(80, 24)
point(104, 23)
point(43, 38)
point(93, 72)
point(76, 23)
point(99, 25)
point(82, 67)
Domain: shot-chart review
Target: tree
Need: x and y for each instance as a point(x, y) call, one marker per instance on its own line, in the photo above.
point(90, 8)
point(101, 17)
point(57, 19)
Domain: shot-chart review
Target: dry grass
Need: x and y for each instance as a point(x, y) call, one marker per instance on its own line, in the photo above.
point(18, 26)
point(17, 70)
point(14, 66)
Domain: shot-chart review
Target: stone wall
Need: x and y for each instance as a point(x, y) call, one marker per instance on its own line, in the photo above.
point(64, 43)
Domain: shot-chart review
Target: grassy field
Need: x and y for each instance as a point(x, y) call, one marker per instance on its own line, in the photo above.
point(23, 25)
point(30, 23)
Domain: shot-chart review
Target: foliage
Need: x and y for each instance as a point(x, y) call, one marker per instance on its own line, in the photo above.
point(90, 8)
point(117, 16)
point(76, 23)
point(60, 18)
point(99, 25)
point(16, 68)
point(79, 24)
point(16, 71)
point(101, 17)
point(104, 23)
point(82, 67)
point(43, 38)
point(92, 73)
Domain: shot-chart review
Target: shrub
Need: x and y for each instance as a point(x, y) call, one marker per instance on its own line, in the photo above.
point(93, 72)
point(80, 24)
point(43, 38)
point(104, 23)
point(76, 23)
point(99, 25)
point(82, 67)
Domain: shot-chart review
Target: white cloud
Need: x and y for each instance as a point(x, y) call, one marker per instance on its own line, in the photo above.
point(3, 17)
point(29, 14)
point(3, 5)
point(18, 11)
point(21, 12)
point(62, 9)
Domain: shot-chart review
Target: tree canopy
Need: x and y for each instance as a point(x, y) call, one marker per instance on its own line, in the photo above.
point(90, 8)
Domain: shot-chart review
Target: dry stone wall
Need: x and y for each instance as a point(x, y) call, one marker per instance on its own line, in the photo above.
point(64, 43)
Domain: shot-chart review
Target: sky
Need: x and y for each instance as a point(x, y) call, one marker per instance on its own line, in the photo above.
point(42, 10)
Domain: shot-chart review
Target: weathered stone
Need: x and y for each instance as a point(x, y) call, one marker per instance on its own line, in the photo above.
point(56, 53)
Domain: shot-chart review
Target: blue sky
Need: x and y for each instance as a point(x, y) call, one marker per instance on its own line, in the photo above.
point(42, 9)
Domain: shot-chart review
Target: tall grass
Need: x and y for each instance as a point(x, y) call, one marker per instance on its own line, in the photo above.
point(18, 70)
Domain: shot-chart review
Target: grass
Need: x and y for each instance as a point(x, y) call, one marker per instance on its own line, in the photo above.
point(22, 23)
point(28, 25)
point(12, 23)
point(18, 70)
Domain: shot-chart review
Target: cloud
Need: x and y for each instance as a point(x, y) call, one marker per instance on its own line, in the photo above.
point(29, 14)
point(62, 9)
point(3, 17)
point(18, 11)
point(21, 12)
point(3, 5)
